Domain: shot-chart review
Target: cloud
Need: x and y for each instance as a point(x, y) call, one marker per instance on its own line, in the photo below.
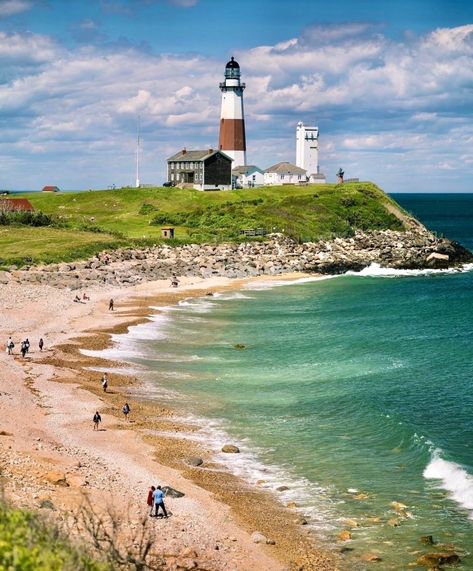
point(12, 7)
point(386, 109)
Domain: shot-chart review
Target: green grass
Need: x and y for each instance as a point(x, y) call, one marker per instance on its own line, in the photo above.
point(97, 220)
point(27, 543)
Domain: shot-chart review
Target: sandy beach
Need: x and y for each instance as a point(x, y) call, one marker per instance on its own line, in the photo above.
point(51, 457)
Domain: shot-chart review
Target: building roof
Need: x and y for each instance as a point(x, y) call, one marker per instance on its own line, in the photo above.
point(15, 205)
point(245, 169)
point(50, 188)
point(285, 168)
point(186, 155)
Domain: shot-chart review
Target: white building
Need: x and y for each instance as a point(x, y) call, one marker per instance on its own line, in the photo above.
point(284, 173)
point(247, 176)
point(307, 152)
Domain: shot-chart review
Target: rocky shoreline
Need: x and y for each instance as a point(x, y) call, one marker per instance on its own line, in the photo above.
point(412, 249)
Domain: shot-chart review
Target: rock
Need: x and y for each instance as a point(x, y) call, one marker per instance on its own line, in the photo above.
point(361, 496)
point(230, 449)
point(394, 522)
point(194, 461)
point(437, 559)
point(172, 493)
point(344, 535)
point(370, 557)
point(427, 539)
point(56, 478)
point(351, 522)
point(436, 260)
point(239, 346)
point(258, 537)
point(47, 504)
point(260, 482)
point(282, 489)
point(397, 506)
point(291, 505)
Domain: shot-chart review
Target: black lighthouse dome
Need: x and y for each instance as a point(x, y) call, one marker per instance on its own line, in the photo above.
point(232, 64)
point(232, 69)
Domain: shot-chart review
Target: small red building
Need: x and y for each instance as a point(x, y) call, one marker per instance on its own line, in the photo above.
point(50, 189)
point(15, 205)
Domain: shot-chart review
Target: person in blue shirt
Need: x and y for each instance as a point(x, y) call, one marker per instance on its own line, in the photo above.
point(158, 497)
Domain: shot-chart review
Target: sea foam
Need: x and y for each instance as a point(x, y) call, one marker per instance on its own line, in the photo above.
point(375, 270)
point(454, 478)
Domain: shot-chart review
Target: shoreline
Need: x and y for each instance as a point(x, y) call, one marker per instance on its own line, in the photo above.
point(90, 326)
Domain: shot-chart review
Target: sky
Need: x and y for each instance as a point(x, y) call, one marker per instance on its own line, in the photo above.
point(389, 83)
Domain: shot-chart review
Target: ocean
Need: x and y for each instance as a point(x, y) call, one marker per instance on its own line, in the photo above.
point(355, 392)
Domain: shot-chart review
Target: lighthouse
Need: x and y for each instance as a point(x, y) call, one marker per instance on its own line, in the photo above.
point(307, 148)
point(232, 139)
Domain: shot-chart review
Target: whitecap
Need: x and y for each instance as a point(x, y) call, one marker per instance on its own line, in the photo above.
point(375, 270)
point(454, 478)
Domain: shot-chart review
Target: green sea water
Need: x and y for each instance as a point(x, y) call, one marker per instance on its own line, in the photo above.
point(354, 391)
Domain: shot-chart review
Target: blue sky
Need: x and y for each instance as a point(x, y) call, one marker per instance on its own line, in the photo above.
point(390, 85)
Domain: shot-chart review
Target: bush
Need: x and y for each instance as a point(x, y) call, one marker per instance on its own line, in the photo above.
point(26, 218)
point(29, 544)
point(147, 208)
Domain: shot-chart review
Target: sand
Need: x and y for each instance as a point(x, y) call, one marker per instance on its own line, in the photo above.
point(51, 457)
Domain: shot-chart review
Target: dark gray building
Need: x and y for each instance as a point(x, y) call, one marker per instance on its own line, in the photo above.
point(204, 170)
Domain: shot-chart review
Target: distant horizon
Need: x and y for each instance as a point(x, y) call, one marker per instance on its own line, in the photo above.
point(387, 84)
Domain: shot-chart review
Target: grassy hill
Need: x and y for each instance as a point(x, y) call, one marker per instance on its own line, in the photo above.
point(88, 222)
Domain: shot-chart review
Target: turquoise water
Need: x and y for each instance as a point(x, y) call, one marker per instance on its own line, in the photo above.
point(354, 391)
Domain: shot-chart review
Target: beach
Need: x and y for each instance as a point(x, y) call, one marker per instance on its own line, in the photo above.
point(51, 456)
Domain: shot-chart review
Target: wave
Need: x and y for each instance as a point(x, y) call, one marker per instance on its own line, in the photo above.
point(454, 478)
point(375, 270)
point(270, 284)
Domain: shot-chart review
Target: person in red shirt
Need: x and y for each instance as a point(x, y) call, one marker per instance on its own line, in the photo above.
point(150, 500)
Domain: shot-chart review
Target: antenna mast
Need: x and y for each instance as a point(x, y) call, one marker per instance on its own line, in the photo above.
point(137, 183)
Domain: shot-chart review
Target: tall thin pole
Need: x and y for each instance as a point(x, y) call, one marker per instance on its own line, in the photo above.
point(137, 184)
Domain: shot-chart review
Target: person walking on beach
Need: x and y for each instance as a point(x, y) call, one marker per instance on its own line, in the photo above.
point(126, 410)
point(174, 281)
point(105, 382)
point(110, 305)
point(23, 349)
point(158, 497)
point(97, 419)
point(150, 500)
point(27, 345)
point(41, 344)
point(10, 346)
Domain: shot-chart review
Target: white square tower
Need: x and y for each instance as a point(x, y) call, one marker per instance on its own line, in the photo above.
point(307, 148)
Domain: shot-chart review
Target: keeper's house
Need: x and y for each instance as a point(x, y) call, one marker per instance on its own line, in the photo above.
point(202, 170)
point(284, 173)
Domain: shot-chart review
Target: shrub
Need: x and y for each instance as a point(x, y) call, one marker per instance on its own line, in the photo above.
point(26, 218)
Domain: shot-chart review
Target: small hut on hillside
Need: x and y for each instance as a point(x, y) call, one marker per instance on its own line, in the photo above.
point(50, 189)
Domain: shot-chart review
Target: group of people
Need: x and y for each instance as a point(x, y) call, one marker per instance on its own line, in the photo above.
point(155, 502)
point(84, 298)
point(97, 419)
point(24, 346)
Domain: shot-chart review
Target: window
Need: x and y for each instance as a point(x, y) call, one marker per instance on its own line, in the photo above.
point(172, 176)
point(282, 177)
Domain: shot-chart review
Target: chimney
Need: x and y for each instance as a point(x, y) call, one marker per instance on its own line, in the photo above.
point(184, 151)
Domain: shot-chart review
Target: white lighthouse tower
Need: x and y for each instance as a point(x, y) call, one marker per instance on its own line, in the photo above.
point(232, 140)
point(307, 148)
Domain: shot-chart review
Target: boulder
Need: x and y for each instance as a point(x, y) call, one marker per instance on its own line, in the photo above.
point(47, 504)
point(292, 505)
point(258, 537)
point(282, 489)
point(56, 478)
point(230, 449)
point(437, 559)
point(172, 493)
point(344, 535)
point(194, 461)
point(427, 539)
